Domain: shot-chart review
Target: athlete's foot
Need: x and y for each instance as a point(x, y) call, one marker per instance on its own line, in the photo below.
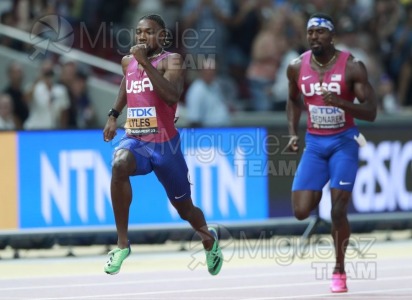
point(116, 258)
point(214, 257)
point(338, 284)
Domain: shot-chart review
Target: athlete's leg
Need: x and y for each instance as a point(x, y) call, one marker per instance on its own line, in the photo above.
point(171, 169)
point(311, 176)
point(343, 166)
point(340, 227)
point(123, 166)
point(194, 215)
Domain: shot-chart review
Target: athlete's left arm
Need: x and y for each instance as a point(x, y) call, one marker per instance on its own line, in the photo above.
point(167, 79)
point(357, 78)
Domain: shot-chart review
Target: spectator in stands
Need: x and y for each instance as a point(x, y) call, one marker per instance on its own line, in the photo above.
point(243, 27)
point(81, 110)
point(74, 78)
point(264, 64)
point(279, 90)
point(401, 48)
point(405, 84)
point(48, 102)
point(205, 101)
point(14, 89)
point(386, 95)
point(205, 30)
point(9, 19)
point(7, 121)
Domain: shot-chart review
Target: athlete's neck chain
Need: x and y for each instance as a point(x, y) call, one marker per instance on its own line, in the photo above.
point(326, 64)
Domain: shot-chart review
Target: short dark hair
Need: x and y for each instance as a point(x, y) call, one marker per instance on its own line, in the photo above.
point(323, 16)
point(158, 19)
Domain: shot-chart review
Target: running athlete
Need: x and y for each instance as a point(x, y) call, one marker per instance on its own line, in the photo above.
point(329, 81)
point(151, 88)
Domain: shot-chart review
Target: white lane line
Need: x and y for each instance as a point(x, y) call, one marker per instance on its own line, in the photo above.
point(267, 286)
point(350, 295)
point(162, 280)
point(134, 282)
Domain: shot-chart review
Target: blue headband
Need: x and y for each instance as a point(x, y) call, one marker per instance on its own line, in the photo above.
point(320, 22)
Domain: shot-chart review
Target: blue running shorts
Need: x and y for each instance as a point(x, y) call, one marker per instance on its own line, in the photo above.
point(165, 159)
point(328, 157)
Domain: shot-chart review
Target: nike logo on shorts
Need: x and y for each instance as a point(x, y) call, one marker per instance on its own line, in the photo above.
point(344, 183)
point(178, 197)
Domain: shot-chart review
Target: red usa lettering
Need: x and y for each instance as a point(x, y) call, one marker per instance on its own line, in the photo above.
point(138, 86)
point(314, 88)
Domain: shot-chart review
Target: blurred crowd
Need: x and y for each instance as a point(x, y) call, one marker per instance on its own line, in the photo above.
point(249, 43)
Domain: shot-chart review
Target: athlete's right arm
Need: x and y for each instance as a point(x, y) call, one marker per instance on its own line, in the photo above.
point(109, 131)
point(293, 106)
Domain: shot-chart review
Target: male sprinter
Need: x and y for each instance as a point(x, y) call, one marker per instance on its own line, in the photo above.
point(153, 83)
point(329, 81)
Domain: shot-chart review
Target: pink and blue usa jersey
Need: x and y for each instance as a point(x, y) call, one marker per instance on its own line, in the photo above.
point(149, 118)
point(323, 119)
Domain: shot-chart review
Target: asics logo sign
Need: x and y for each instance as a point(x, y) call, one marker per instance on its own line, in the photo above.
point(138, 86)
point(315, 88)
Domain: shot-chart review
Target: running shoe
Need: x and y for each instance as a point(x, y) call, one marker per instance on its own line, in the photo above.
point(214, 257)
point(338, 284)
point(117, 256)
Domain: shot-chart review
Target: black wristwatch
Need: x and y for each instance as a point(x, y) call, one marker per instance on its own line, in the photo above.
point(114, 113)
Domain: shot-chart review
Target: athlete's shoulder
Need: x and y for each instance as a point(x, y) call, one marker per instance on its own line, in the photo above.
point(173, 56)
point(296, 62)
point(172, 60)
point(354, 64)
point(126, 59)
point(354, 60)
point(294, 67)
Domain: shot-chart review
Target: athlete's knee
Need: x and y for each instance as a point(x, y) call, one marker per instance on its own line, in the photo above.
point(121, 166)
point(338, 214)
point(339, 211)
point(301, 214)
point(301, 205)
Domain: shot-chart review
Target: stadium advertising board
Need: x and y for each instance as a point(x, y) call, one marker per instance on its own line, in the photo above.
point(383, 183)
point(64, 179)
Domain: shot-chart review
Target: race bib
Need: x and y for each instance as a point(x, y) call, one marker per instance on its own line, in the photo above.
point(326, 117)
point(141, 121)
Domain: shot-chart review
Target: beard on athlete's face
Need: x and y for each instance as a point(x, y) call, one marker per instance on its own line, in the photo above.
point(317, 51)
point(320, 44)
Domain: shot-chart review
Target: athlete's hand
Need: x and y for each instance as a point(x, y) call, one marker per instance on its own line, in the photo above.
point(109, 131)
point(293, 144)
point(139, 52)
point(329, 98)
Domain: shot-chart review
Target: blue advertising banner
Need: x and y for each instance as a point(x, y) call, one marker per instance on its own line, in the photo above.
point(64, 178)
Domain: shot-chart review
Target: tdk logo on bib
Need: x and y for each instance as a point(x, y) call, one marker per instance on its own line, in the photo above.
point(315, 88)
point(328, 110)
point(138, 86)
point(141, 112)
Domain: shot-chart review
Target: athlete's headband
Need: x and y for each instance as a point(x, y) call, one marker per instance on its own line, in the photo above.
point(320, 22)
